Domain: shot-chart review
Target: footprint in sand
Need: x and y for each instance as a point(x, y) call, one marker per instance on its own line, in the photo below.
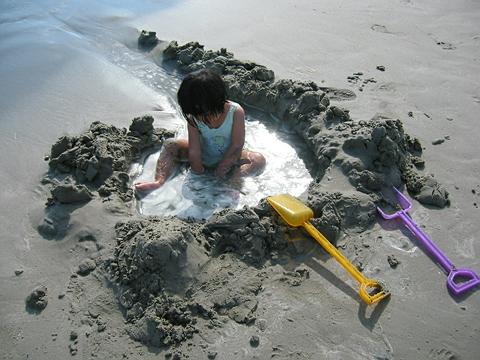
point(446, 45)
point(465, 247)
point(387, 86)
point(443, 44)
point(442, 354)
point(339, 94)
point(403, 286)
point(380, 28)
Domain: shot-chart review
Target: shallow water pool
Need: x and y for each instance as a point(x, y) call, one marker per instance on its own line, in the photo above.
point(187, 195)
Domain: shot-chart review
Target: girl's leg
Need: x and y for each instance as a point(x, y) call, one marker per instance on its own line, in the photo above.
point(252, 163)
point(172, 152)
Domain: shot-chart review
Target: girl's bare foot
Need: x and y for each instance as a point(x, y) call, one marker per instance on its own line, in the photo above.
point(149, 185)
point(252, 163)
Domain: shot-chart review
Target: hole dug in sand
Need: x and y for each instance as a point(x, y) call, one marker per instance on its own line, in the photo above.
point(191, 196)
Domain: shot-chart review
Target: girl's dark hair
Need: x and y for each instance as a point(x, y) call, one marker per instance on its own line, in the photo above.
point(201, 93)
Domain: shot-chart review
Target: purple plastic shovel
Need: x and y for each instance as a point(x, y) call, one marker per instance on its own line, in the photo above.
point(466, 278)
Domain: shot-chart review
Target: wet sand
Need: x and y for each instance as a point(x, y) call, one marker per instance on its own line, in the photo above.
point(429, 83)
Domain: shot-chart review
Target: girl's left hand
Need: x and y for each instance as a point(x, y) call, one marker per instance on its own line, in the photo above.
point(221, 171)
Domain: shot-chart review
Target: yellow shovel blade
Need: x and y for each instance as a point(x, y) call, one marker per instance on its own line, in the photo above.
point(292, 211)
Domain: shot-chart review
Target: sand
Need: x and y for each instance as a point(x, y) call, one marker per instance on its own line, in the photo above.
point(235, 286)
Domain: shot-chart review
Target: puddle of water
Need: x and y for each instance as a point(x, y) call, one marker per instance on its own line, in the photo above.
point(199, 196)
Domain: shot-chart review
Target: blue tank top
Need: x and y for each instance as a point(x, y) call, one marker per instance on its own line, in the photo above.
point(215, 142)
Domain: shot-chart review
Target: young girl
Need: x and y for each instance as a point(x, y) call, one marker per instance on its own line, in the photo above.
point(216, 133)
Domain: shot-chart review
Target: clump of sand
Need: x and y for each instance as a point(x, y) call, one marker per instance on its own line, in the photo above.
point(102, 155)
point(37, 300)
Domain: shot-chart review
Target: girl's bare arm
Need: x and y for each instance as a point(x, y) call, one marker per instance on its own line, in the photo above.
point(234, 151)
point(194, 150)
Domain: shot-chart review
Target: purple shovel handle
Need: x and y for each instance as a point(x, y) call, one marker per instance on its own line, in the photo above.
point(469, 279)
point(428, 244)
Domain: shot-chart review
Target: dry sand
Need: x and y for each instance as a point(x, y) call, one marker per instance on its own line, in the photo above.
point(304, 305)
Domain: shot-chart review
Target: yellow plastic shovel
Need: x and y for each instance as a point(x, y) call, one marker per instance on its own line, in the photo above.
point(296, 214)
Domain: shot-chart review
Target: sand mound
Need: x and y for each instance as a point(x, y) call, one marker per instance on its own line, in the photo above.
point(152, 264)
point(171, 271)
point(101, 157)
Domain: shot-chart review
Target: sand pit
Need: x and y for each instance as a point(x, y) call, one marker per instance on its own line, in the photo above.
point(177, 279)
point(187, 195)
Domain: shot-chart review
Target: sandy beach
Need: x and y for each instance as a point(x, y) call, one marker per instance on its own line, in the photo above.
point(357, 88)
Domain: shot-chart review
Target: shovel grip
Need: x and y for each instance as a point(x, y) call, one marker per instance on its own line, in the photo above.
point(471, 280)
point(372, 299)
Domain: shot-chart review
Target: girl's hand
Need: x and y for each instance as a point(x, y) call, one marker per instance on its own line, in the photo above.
point(197, 168)
point(221, 171)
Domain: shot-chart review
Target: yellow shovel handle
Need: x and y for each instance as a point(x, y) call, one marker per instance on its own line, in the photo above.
point(332, 250)
point(365, 284)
